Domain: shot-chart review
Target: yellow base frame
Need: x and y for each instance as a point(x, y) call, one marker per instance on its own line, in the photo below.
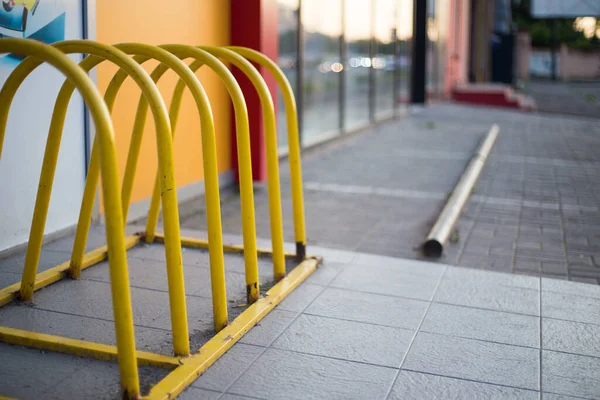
point(184, 370)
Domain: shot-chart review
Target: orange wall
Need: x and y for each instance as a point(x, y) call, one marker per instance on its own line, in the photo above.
point(156, 22)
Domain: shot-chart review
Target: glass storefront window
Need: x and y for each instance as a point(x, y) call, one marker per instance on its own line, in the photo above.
point(404, 31)
point(322, 24)
point(384, 61)
point(288, 59)
point(358, 63)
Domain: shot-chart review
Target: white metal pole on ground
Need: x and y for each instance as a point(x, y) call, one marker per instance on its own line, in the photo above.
point(434, 243)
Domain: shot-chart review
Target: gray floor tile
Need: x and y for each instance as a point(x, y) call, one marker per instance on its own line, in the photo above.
point(80, 328)
point(570, 374)
point(571, 337)
point(491, 278)
point(331, 255)
point(386, 280)
point(229, 396)
point(193, 393)
point(93, 299)
point(370, 308)
point(324, 274)
point(48, 259)
point(34, 374)
point(280, 374)
point(268, 329)
point(93, 379)
point(300, 298)
point(416, 267)
point(568, 287)
point(571, 307)
point(499, 297)
point(476, 360)
point(493, 326)
point(552, 396)
point(227, 368)
point(199, 311)
point(151, 274)
point(346, 340)
point(96, 238)
point(28, 373)
point(417, 386)
point(8, 278)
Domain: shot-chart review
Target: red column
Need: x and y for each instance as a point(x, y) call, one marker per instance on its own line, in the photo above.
point(254, 25)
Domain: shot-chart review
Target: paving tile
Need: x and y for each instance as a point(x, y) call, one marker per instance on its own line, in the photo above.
point(370, 308)
point(28, 373)
point(93, 299)
point(346, 340)
point(193, 393)
point(280, 374)
point(483, 293)
point(418, 386)
point(331, 255)
point(570, 374)
point(228, 368)
point(567, 287)
point(8, 278)
point(491, 278)
point(300, 298)
point(324, 274)
point(80, 328)
point(93, 379)
point(199, 312)
point(571, 337)
point(419, 268)
point(475, 360)
point(151, 274)
point(473, 323)
point(229, 396)
point(269, 328)
point(570, 307)
point(391, 281)
point(48, 259)
point(96, 238)
point(552, 396)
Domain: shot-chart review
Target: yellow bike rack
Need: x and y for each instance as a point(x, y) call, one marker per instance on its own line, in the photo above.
point(110, 184)
point(185, 367)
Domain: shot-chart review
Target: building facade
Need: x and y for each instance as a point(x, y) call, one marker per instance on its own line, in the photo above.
point(349, 63)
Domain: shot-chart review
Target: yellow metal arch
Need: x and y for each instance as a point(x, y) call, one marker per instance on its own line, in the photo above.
point(143, 53)
point(244, 161)
point(169, 198)
point(110, 184)
point(291, 115)
point(273, 185)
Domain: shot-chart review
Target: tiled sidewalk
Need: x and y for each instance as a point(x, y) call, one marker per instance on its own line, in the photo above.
point(372, 327)
point(535, 209)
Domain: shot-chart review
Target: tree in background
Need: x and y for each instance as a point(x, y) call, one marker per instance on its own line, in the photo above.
point(577, 33)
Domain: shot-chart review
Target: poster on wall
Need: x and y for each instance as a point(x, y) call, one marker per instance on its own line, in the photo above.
point(46, 21)
point(42, 20)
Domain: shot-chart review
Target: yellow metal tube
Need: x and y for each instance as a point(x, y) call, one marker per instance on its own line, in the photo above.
point(110, 186)
point(174, 262)
point(243, 142)
point(274, 188)
point(209, 151)
point(294, 159)
point(172, 242)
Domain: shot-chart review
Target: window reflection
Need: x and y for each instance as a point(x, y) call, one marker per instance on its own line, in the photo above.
point(404, 26)
point(322, 23)
point(288, 59)
point(358, 63)
point(384, 61)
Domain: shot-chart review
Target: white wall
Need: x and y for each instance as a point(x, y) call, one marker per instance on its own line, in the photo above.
point(25, 140)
